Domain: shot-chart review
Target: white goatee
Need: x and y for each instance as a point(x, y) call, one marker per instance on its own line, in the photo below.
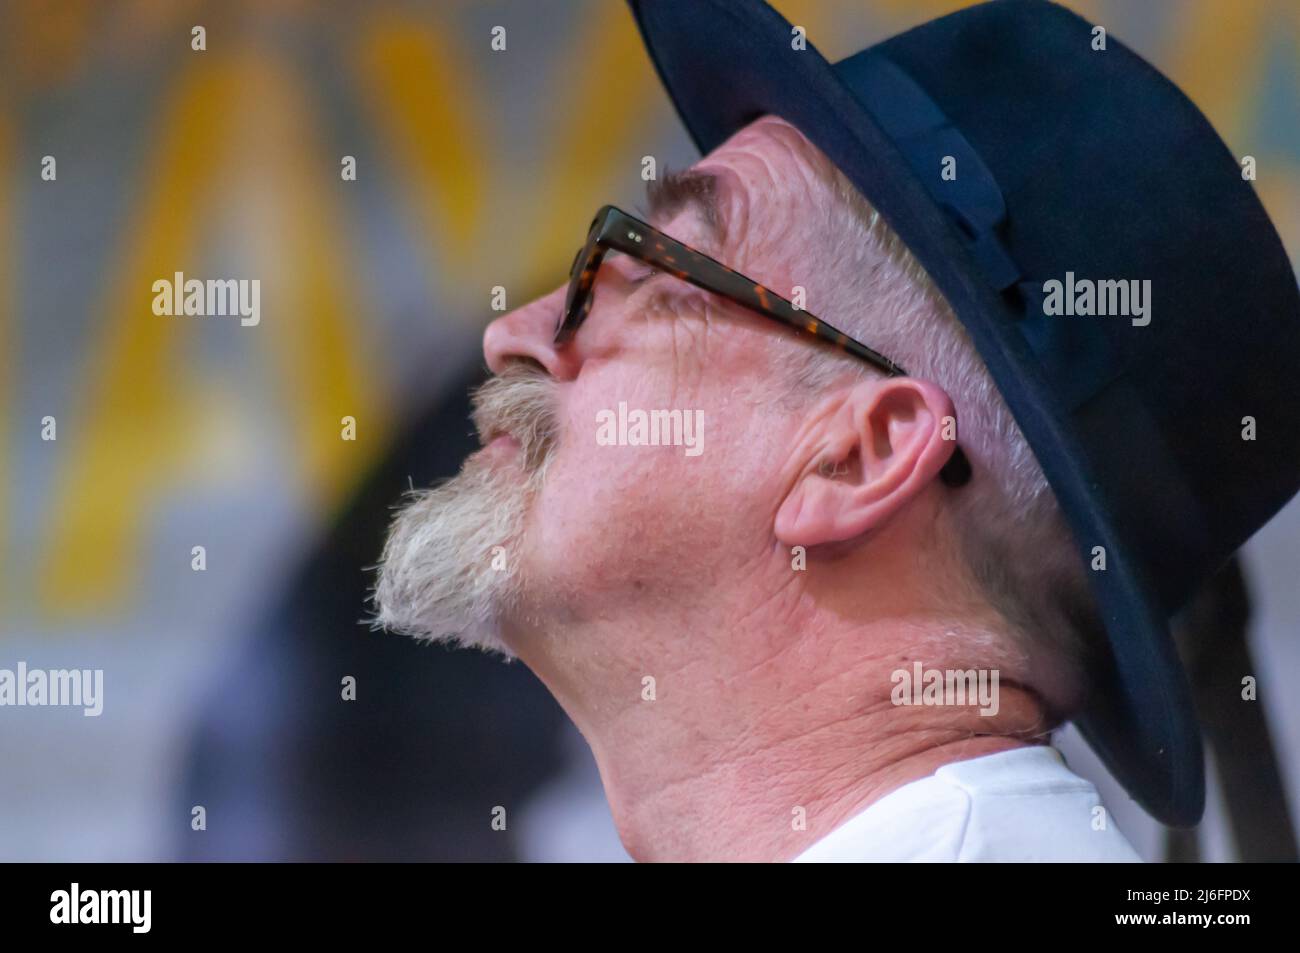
point(442, 576)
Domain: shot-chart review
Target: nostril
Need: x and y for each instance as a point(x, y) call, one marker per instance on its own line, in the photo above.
point(527, 332)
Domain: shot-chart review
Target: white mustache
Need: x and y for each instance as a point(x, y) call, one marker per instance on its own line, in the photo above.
point(519, 402)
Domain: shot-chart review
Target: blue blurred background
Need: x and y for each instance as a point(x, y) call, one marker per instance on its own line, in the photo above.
point(475, 168)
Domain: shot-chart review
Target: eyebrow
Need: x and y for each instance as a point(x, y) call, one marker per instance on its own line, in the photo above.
point(691, 189)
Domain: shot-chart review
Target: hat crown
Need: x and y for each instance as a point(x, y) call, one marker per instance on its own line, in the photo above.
point(1150, 283)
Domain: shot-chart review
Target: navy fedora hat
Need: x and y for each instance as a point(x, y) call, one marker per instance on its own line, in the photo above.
point(1075, 165)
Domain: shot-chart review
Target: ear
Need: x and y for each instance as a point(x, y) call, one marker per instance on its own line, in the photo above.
point(880, 446)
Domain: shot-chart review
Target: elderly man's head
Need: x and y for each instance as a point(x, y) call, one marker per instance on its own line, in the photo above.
point(605, 565)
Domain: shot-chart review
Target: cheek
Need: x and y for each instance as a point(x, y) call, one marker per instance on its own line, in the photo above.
point(610, 511)
point(618, 525)
point(634, 519)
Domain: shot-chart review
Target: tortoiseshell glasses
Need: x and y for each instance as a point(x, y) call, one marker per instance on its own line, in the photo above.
point(612, 228)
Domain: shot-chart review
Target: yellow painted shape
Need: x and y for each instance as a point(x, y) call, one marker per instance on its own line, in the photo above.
point(605, 94)
point(136, 435)
point(122, 447)
point(314, 319)
point(423, 102)
point(9, 344)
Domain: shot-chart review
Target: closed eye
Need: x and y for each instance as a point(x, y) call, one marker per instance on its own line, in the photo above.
point(641, 272)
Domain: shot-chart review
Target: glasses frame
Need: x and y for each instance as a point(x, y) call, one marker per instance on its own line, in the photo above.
point(612, 228)
point(615, 229)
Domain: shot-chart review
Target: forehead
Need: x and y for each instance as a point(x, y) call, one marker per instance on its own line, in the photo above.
point(770, 157)
point(760, 179)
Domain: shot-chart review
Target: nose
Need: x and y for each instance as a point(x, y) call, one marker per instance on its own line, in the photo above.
point(529, 332)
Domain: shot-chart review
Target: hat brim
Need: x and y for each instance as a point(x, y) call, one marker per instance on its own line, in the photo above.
point(724, 64)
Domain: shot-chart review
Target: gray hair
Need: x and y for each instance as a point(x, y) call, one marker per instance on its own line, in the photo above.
point(1011, 538)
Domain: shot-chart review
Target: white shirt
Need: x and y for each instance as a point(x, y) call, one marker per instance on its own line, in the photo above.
point(1017, 805)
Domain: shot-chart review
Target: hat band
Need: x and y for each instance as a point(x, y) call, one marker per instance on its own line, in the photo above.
point(1075, 355)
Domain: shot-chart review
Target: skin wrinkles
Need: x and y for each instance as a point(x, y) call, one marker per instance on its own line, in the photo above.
point(716, 232)
point(666, 302)
point(783, 603)
point(772, 685)
point(771, 164)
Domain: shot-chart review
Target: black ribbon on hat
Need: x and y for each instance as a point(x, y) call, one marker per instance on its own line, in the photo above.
point(1075, 354)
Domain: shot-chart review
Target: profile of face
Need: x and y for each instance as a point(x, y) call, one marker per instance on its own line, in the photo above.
point(641, 486)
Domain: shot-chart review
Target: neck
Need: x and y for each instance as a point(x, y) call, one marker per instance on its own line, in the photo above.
point(754, 748)
point(762, 807)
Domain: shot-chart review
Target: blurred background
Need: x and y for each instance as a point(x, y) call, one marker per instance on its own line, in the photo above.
point(475, 168)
